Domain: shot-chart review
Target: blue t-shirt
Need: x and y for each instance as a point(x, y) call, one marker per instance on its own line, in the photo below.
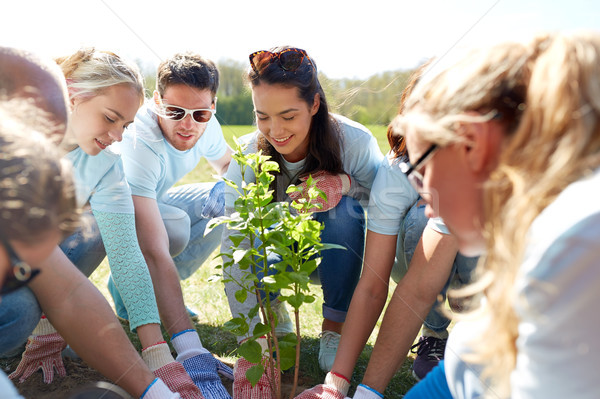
point(100, 180)
point(391, 197)
point(360, 154)
point(152, 165)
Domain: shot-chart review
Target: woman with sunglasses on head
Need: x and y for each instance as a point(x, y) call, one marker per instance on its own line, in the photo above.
point(105, 93)
point(397, 229)
point(514, 131)
point(296, 129)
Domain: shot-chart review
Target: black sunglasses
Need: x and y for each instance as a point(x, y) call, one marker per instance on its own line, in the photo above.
point(19, 275)
point(289, 59)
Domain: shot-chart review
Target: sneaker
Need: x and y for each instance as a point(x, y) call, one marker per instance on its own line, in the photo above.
point(429, 350)
point(328, 348)
point(284, 323)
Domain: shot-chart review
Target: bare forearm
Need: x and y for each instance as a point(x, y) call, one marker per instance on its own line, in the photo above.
point(83, 317)
point(169, 296)
point(362, 317)
point(401, 324)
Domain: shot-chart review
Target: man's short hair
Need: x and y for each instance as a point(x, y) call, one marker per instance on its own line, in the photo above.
point(189, 69)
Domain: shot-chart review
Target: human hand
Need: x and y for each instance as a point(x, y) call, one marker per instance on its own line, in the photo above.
point(204, 369)
point(243, 389)
point(366, 392)
point(43, 350)
point(334, 186)
point(215, 203)
point(335, 387)
point(159, 359)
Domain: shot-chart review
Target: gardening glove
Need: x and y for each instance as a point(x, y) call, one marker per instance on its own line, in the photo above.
point(366, 392)
point(159, 390)
point(200, 364)
point(333, 186)
point(159, 359)
point(43, 350)
point(335, 387)
point(242, 389)
point(215, 203)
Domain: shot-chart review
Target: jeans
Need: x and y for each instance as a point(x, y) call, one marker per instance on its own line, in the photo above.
point(181, 210)
point(410, 233)
point(20, 311)
point(339, 270)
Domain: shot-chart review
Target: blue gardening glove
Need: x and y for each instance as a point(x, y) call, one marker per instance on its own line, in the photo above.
point(215, 203)
point(203, 369)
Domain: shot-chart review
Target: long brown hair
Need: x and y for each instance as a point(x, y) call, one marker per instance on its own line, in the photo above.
point(324, 149)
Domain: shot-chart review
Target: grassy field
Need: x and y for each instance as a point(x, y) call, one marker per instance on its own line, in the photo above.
point(208, 300)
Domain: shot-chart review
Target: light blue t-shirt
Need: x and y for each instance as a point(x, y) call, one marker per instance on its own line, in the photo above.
point(100, 181)
point(391, 197)
point(360, 153)
point(152, 165)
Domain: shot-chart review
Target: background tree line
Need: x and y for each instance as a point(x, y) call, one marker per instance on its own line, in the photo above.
point(373, 101)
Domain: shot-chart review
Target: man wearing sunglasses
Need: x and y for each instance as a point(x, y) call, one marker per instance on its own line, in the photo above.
point(170, 135)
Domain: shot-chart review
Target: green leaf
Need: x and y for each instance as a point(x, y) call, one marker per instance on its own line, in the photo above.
point(237, 326)
point(251, 351)
point(260, 329)
point(254, 373)
point(287, 357)
point(241, 295)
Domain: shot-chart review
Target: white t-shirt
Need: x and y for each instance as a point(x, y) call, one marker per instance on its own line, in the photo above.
point(557, 291)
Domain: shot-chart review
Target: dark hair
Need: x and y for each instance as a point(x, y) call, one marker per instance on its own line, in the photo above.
point(397, 141)
point(324, 148)
point(189, 69)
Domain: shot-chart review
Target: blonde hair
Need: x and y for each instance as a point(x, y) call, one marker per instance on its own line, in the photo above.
point(89, 72)
point(37, 193)
point(552, 140)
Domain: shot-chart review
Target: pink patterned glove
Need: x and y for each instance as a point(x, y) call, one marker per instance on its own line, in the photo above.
point(43, 350)
point(333, 186)
point(242, 388)
point(159, 359)
point(335, 387)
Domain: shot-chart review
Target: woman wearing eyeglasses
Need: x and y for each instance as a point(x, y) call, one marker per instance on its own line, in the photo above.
point(105, 93)
point(514, 136)
point(296, 129)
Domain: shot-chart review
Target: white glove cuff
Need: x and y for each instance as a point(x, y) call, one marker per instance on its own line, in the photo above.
point(339, 382)
point(43, 328)
point(157, 356)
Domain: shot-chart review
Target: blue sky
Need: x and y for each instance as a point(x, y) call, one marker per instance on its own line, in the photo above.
point(346, 38)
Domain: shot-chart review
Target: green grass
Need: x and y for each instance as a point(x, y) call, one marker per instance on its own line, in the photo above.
point(209, 301)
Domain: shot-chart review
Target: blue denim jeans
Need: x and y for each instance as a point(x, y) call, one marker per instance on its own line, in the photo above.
point(20, 311)
point(181, 210)
point(339, 270)
point(410, 233)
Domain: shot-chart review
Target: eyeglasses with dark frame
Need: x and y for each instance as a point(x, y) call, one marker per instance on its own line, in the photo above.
point(411, 170)
point(288, 59)
point(20, 273)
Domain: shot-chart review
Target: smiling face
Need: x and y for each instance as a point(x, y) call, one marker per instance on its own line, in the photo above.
point(184, 134)
point(96, 122)
point(453, 190)
point(284, 118)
